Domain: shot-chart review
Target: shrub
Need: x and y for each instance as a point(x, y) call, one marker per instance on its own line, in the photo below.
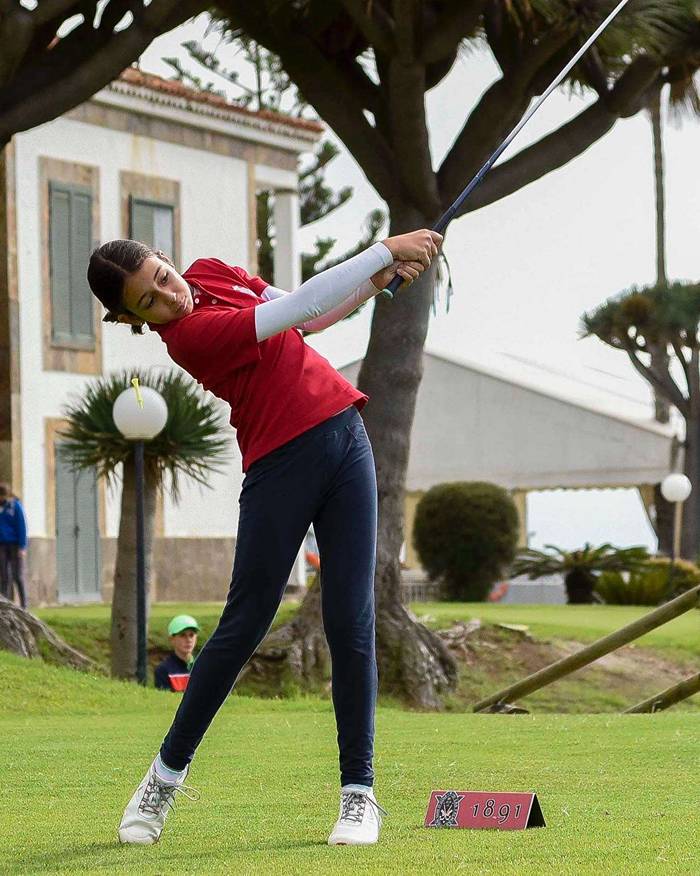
point(579, 567)
point(465, 534)
point(649, 585)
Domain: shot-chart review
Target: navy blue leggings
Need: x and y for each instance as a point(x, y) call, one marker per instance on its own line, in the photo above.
point(326, 477)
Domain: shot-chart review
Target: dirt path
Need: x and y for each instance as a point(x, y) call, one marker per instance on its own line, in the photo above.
point(493, 656)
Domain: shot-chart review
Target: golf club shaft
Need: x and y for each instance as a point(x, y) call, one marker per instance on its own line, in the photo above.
point(449, 214)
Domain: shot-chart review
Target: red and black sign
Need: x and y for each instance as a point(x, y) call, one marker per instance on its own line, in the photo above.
point(484, 809)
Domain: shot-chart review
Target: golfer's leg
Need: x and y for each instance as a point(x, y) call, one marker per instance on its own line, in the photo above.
point(346, 530)
point(274, 518)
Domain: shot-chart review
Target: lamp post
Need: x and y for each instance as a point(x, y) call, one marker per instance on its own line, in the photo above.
point(675, 488)
point(140, 414)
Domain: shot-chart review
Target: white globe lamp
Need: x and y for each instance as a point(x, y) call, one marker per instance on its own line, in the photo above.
point(676, 488)
point(139, 423)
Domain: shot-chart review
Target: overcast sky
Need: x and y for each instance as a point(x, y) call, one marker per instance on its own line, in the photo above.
point(526, 268)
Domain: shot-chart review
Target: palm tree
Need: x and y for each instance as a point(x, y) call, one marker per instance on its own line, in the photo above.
point(192, 443)
point(663, 512)
point(579, 567)
point(657, 324)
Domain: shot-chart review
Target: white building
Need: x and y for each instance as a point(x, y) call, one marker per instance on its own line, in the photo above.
point(149, 159)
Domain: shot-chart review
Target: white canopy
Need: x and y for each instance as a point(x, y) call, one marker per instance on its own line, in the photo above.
point(513, 423)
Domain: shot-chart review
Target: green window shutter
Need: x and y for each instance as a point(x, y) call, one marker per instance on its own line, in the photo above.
point(66, 560)
point(163, 229)
point(87, 535)
point(153, 224)
point(141, 222)
point(77, 532)
point(82, 322)
point(70, 236)
point(59, 232)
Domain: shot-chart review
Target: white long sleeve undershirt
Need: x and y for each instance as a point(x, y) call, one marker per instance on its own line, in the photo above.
point(325, 298)
point(357, 297)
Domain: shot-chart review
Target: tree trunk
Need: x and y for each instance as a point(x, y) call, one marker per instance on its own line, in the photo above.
point(413, 662)
point(123, 632)
point(297, 651)
point(23, 634)
point(690, 541)
point(663, 522)
point(659, 187)
point(580, 585)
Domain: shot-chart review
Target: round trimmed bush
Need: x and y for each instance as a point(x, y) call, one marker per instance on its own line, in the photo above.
point(649, 585)
point(466, 534)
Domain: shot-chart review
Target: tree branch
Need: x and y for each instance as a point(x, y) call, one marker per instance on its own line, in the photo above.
point(495, 115)
point(373, 23)
point(409, 135)
point(665, 387)
point(327, 87)
point(405, 14)
point(459, 20)
point(498, 40)
point(48, 10)
point(595, 71)
point(694, 373)
point(678, 350)
point(49, 94)
point(16, 32)
point(570, 140)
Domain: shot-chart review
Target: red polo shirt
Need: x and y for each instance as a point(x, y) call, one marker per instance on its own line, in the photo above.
point(277, 388)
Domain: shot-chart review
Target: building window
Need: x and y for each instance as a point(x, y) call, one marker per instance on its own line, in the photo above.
point(152, 223)
point(70, 244)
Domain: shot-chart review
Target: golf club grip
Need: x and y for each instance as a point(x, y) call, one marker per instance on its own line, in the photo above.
point(393, 287)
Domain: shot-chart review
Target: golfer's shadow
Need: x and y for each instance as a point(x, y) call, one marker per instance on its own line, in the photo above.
point(80, 852)
point(273, 846)
point(62, 854)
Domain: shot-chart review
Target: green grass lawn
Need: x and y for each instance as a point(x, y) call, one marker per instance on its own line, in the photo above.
point(87, 626)
point(493, 667)
point(619, 792)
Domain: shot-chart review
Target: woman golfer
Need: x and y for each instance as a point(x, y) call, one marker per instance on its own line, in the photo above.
point(306, 458)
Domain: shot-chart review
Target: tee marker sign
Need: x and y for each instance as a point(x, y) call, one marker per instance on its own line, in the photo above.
point(483, 809)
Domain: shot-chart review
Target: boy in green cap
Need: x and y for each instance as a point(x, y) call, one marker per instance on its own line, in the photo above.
point(174, 672)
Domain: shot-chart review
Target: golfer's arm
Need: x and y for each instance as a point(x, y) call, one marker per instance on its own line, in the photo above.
point(356, 298)
point(322, 295)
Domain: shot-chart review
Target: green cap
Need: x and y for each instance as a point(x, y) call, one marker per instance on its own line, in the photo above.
point(180, 623)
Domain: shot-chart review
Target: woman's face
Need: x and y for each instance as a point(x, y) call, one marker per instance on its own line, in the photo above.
point(157, 293)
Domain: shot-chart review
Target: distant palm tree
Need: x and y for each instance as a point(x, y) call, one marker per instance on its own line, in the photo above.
point(579, 567)
point(657, 325)
point(193, 443)
point(663, 517)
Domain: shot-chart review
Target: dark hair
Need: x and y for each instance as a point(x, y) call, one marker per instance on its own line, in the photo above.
point(5, 489)
point(109, 267)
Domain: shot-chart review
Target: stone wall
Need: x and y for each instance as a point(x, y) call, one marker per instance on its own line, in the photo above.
point(186, 569)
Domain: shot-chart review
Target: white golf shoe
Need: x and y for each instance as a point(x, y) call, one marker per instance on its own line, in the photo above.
point(145, 814)
point(359, 820)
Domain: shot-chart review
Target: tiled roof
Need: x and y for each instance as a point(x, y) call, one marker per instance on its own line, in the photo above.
point(136, 77)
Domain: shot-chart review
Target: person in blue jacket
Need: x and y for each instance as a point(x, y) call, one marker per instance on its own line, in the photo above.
point(13, 545)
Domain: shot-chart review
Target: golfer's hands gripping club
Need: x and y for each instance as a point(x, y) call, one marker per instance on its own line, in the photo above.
point(415, 251)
